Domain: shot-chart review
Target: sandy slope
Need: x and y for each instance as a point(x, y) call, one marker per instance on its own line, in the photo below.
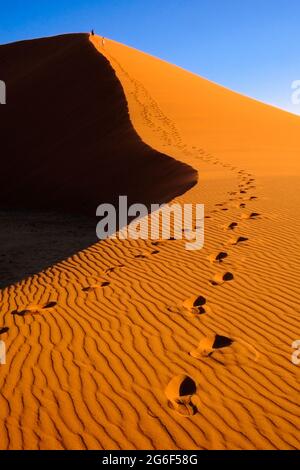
point(68, 143)
point(91, 369)
point(67, 130)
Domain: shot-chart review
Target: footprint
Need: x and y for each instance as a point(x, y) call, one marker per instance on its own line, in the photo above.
point(239, 205)
point(92, 287)
point(252, 215)
point(231, 226)
point(49, 305)
point(218, 258)
point(141, 256)
point(229, 352)
point(210, 344)
point(3, 330)
point(179, 393)
point(193, 306)
point(20, 313)
point(34, 309)
point(196, 305)
point(221, 278)
point(146, 254)
point(111, 270)
point(237, 240)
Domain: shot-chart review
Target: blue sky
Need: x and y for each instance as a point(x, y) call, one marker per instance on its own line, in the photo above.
point(251, 46)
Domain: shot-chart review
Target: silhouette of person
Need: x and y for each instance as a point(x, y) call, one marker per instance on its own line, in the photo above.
point(92, 32)
point(103, 41)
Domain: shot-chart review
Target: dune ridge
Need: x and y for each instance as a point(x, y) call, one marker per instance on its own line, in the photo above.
point(75, 141)
point(97, 369)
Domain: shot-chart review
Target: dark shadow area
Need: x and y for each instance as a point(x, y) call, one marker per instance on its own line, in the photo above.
point(187, 387)
point(68, 145)
point(33, 240)
point(222, 342)
point(228, 277)
point(221, 256)
point(4, 330)
point(242, 239)
point(200, 301)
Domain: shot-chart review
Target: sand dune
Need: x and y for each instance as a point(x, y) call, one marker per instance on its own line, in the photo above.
point(68, 144)
point(131, 344)
point(68, 133)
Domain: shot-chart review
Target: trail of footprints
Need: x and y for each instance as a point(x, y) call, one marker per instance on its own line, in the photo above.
point(34, 309)
point(182, 389)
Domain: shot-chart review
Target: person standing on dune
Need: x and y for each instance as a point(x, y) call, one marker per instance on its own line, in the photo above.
point(92, 33)
point(103, 42)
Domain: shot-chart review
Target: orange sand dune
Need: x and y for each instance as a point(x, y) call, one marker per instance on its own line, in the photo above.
point(67, 131)
point(174, 349)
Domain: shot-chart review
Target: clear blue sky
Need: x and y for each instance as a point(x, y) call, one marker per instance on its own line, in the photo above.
point(251, 46)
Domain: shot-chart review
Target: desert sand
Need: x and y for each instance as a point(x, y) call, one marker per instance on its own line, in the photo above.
point(131, 344)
